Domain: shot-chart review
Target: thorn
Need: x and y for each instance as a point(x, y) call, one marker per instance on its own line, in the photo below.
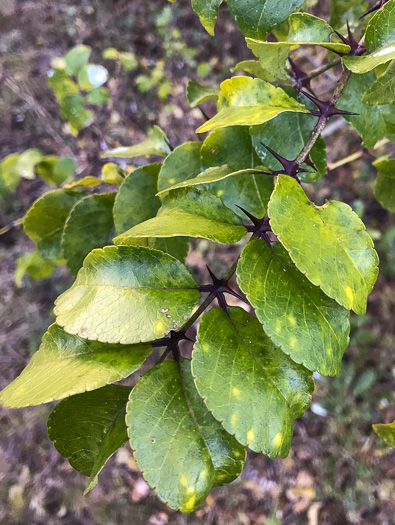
point(301, 79)
point(286, 164)
point(291, 167)
point(310, 163)
point(377, 6)
point(260, 226)
point(325, 109)
point(253, 219)
point(219, 287)
point(355, 48)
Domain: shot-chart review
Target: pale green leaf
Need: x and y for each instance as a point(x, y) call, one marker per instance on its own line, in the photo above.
point(62, 85)
point(382, 91)
point(255, 68)
point(328, 243)
point(135, 201)
point(381, 28)
point(178, 445)
point(365, 63)
point(85, 182)
point(45, 220)
point(384, 186)
point(126, 294)
point(66, 365)
point(247, 101)
point(88, 428)
point(256, 17)
point(309, 326)
point(33, 264)
point(54, 170)
point(343, 11)
point(386, 433)
point(189, 213)
point(98, 96)
point(207, 11)
point(113, 173)
point(198, 93)
point(183, 163)
point(249, 384)
point(156, 144)
point(90, 225)
point(76, 58)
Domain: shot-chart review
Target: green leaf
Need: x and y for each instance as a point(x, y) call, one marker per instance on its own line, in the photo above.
point(85, 182)
point(256, 17)
point(113, 173)
point(89, 225)
point(189, 213)
point(127, 294)
point(178, 445)
point(290, 143)
point(255, 68)
point(66, 365)
point(309, 326)
point(98, 96)
point(386, 433)
point(328, 243)
point(76, 58)
point(62, 85)
point(182, 164)
point(247, 101)
point(382, 91)
point(135, 201)
point(72, 108)
point(92, 76)
point(198, 93)
point(33, 264)
point(304, 29)
point(178, 247)
point(88, 428)
point(207, 11)
point(54, 170)
point(343, 11)
point(365, 63)
point(17, 166)
point(372, 122)
point(45, 220)
point(384, 186)
point(156, 144)
point(381, 28)
point(247, 383)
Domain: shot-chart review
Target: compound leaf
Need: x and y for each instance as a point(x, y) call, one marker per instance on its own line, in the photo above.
point(126, 294)
point(248, 383)
point(247, 101)
point(178, 445)
point(66, 365)
point(89, 225)
point(309, 326)
point(328, 243)
point(189, 213)
point(88, 428)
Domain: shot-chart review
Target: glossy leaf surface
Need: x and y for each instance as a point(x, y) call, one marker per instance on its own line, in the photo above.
point(249, 384)
point(127, 294)
point(66, 365)
point(328, 243)
point(309, 326)
point(88, 428)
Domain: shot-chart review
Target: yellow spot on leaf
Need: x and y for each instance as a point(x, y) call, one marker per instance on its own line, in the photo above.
point(250, 436)
point(203, 474)
point(278, 326)
point(190, 503)
point(205, 348)
point(220, 192)
point(329, 351)
point(191, 490)
point(234, 419)
point(278, 439)
point(350, 294)
point(183, 480)
point(236, 391)
point(159, 328)
point(172, 181)
point(292, 319)
point(292, 341)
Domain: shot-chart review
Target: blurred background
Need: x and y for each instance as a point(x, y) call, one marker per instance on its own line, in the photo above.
point(338, 471)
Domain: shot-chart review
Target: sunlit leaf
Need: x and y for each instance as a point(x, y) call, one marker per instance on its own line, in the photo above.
point(386, 433)
point(156, 144)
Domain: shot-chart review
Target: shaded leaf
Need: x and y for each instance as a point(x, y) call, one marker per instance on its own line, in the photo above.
point(89, 225)
point(247, 101)
point(88, 428)
point(328, 243)
point(386, 433)
point(343, 11)
point(54, 170)
point(156, 144)
point(256, 17)
point(72, 108)
point(189, 213)
point(309, 326)
point(382, 91)
point(207, 11)
point(66, 365)
point(181, 450)
point(248, 383)
point(126, 294)
point(33, 264)
point(45, 220)
point(198, 93)
point(384, 186)
point(183, 163)
point(135, 201)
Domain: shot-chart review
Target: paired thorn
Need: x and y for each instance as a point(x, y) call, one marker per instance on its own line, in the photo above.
point(377, 6)
point(325, 109)
point(355, 48)
point(291, 167)
point(219, 288)
point(261, 227)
